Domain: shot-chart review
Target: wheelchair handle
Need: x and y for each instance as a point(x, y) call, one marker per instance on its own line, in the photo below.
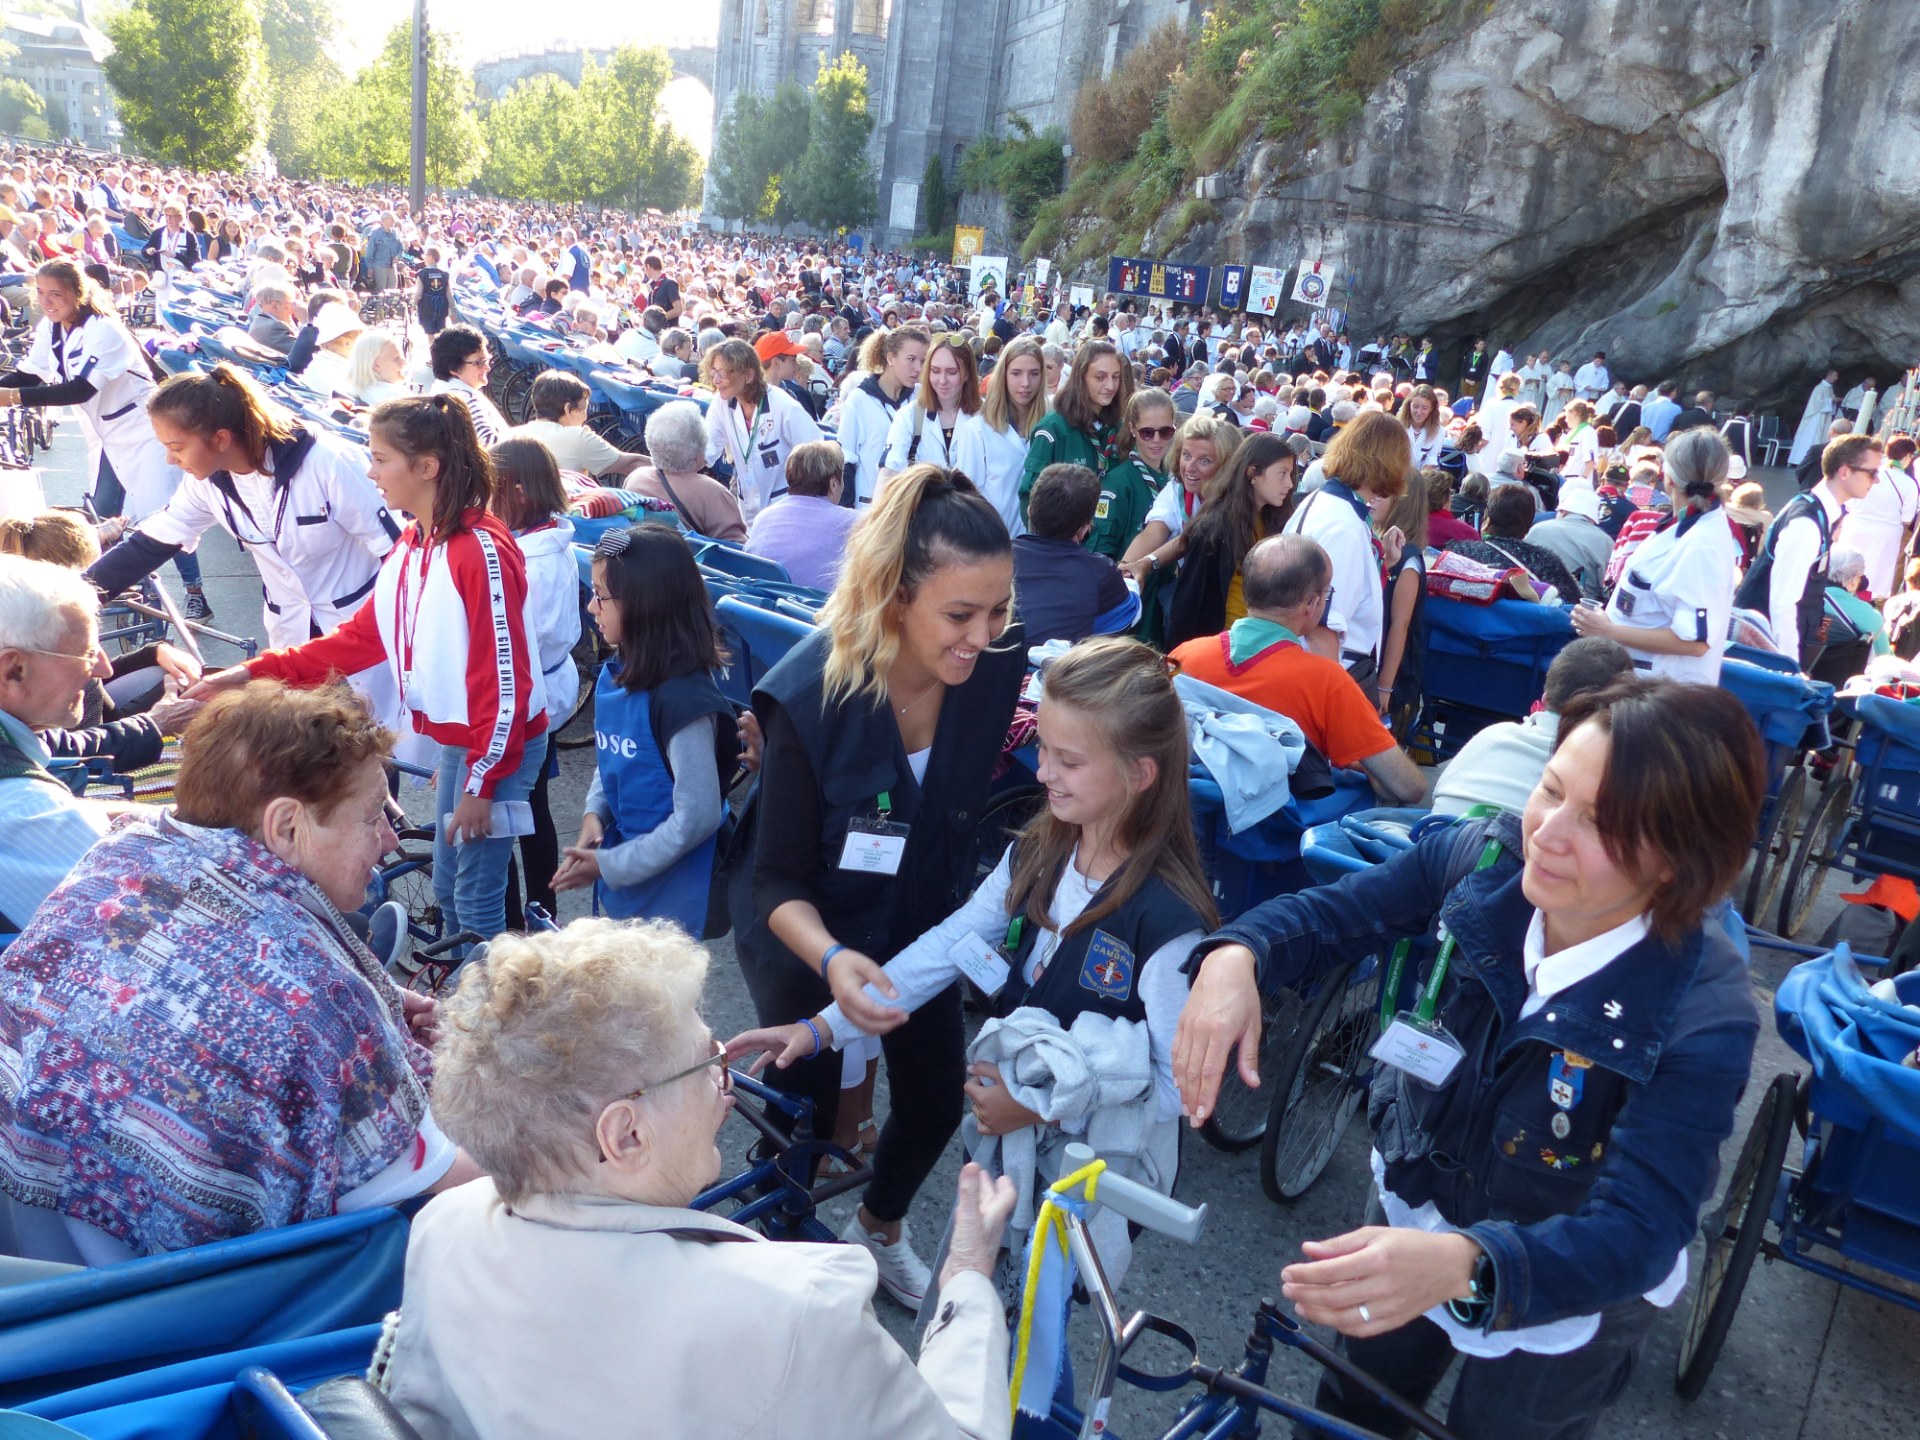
point(1160, 1213)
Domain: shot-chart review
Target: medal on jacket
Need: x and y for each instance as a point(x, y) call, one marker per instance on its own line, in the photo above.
point(1413, 1041)
point(1566, 1082)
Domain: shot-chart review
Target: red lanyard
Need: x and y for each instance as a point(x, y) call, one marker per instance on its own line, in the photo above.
point(406, 619)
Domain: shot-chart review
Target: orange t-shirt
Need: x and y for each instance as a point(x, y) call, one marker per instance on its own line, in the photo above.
point(1309, 689)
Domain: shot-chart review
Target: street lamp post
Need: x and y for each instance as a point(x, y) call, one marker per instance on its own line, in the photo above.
point(417, 178)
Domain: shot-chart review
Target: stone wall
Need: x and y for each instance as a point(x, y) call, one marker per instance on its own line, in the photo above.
point(1724, 194)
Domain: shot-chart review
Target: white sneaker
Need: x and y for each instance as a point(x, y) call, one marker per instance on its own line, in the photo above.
point(903, 1274)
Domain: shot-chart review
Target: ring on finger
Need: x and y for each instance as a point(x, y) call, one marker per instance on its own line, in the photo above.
point(1366, 1316)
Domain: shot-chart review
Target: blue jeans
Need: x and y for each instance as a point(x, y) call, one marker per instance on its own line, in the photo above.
point(470, 880)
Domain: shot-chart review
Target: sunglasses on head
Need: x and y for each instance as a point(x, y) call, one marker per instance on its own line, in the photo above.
point(1155, 432)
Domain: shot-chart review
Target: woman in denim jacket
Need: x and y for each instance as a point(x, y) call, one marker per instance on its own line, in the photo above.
point(1548, 1113)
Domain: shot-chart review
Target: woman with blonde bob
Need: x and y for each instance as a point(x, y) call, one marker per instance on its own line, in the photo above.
point(752, 425)
point(576, 1067)
point(882, 731)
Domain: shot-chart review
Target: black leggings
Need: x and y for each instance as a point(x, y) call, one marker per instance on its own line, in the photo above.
point(926, 1067)
point(540, 851)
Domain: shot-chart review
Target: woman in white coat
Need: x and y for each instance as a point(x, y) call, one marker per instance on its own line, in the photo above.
point(993, 453)
point(592, 1161)
point(752, 425)
point(927, 429)
point(870, 403)
point(84, 357)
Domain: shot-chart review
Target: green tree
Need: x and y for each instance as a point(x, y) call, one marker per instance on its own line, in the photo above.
point(934, 195)
point(364, 132)
point(835, 184)
point(19, 101)
point(536, 142)
point(187, 75)
point(638, 158)
point(758, 142)
point(295, 35)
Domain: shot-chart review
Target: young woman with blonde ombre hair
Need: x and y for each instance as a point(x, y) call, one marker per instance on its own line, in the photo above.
point(882, 732)
point(993, 452)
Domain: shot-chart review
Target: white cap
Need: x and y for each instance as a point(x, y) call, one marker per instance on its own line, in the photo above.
point(1736, 467)
point(1579, 500)
point(337, 320)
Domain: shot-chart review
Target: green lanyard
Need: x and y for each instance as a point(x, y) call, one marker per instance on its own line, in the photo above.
point(884, 805)
point(1015, 929)
point(1429, 1003)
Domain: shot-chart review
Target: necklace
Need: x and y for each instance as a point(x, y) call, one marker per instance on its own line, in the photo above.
point(900, 709)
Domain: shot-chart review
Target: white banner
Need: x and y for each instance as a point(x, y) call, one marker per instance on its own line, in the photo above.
point(988, 269)
point(1312, 284)
point(1080, 297)
point(1266, 287)
point(1042, 269)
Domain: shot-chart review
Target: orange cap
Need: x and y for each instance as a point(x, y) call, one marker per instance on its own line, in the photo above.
point(1896, 892)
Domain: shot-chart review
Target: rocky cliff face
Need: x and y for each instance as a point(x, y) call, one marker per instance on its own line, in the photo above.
point(1723, 193)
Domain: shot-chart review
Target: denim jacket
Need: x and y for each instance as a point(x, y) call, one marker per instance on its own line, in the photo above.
point(1571, 1224)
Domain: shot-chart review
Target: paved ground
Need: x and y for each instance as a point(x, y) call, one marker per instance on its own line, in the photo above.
point(1806, 1359)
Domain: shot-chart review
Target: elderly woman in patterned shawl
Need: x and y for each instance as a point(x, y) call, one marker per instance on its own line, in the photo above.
point(194, 1044)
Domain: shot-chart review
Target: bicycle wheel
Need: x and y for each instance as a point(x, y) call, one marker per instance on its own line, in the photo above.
point(1005, 815)
point(1318, 1087)
point(1734, 1232)
point(577, 730)
point(1773, 847)
point(1818, 847)
point(1239, 1118)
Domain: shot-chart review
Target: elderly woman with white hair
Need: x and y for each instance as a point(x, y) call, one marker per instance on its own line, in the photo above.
point(574, 1292)
point(376, 369)
point(676, 441)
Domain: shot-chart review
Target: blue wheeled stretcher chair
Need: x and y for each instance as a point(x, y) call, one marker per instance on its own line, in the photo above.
point(1790, 711)
point(1484, 663)
point(1848, 1205)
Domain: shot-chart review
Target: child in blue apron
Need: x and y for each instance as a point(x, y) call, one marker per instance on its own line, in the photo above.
point(664, 736)
point(1077, 936)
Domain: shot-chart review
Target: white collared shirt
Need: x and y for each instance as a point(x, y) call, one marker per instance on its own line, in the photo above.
point(1548, 975)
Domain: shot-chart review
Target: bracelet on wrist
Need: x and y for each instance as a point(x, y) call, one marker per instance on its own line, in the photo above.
point(826, 959)
point(813, 1030)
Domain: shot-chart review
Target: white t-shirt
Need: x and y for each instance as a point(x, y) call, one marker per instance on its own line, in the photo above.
point(1169, 507)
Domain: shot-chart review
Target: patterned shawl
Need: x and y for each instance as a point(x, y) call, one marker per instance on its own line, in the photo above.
point(193, 1045)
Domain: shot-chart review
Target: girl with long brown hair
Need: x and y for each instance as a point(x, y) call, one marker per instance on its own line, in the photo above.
point(1252, 498)
point(1084, 428)
point(1090, 912)
point(448, 622)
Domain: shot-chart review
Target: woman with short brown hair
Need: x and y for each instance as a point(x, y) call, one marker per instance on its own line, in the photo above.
point(1549, 1106)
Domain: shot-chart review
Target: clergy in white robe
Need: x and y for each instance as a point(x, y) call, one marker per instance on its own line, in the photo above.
point(1812, 433)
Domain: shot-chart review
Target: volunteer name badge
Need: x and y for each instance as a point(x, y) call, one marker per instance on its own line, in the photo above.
point(980, 963)
point(1426, 1053)
point(874, 847)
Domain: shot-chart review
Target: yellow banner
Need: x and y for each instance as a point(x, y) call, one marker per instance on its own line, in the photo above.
point(967, 240)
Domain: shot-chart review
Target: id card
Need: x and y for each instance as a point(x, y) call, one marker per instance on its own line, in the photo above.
point(1427, 1054)
point(980, 963)
point(874, 847)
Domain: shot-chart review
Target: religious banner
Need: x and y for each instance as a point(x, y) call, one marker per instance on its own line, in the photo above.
point(967, 240)
point(1233, 286)
point(1312, 284)
point(1042, 268)
point(1080, 297)
point(1266, 287)
point(988, 270)
point(1158, 280)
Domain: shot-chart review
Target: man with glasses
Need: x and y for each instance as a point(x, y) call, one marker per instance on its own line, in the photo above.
point(1787, 581)
point(49, 650)
point(460, 367)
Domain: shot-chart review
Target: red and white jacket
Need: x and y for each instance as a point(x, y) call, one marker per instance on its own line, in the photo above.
point(451, 621)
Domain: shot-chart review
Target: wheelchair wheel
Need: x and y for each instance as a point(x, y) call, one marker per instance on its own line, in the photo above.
point(577, 730)
point(408, 878)
point(1318, 1087)
point(517, 396)
point(1734, 1232)
point(1773, 847)
point(1819, 846)
point(1239, 1118)
point(1005, 815)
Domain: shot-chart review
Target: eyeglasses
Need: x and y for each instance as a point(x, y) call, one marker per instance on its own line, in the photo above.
point(718, 1057)
point(600, 597)
point(94, 653)
point(1156, 432)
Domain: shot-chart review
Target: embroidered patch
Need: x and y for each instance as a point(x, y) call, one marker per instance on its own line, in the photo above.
point(1107, 969)
point(1100, 510)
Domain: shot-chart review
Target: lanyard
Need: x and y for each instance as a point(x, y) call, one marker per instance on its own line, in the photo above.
point(1429, 1002)
point(406, 620)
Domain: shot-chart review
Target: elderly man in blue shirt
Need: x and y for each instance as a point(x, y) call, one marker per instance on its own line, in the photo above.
point(49, 650)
